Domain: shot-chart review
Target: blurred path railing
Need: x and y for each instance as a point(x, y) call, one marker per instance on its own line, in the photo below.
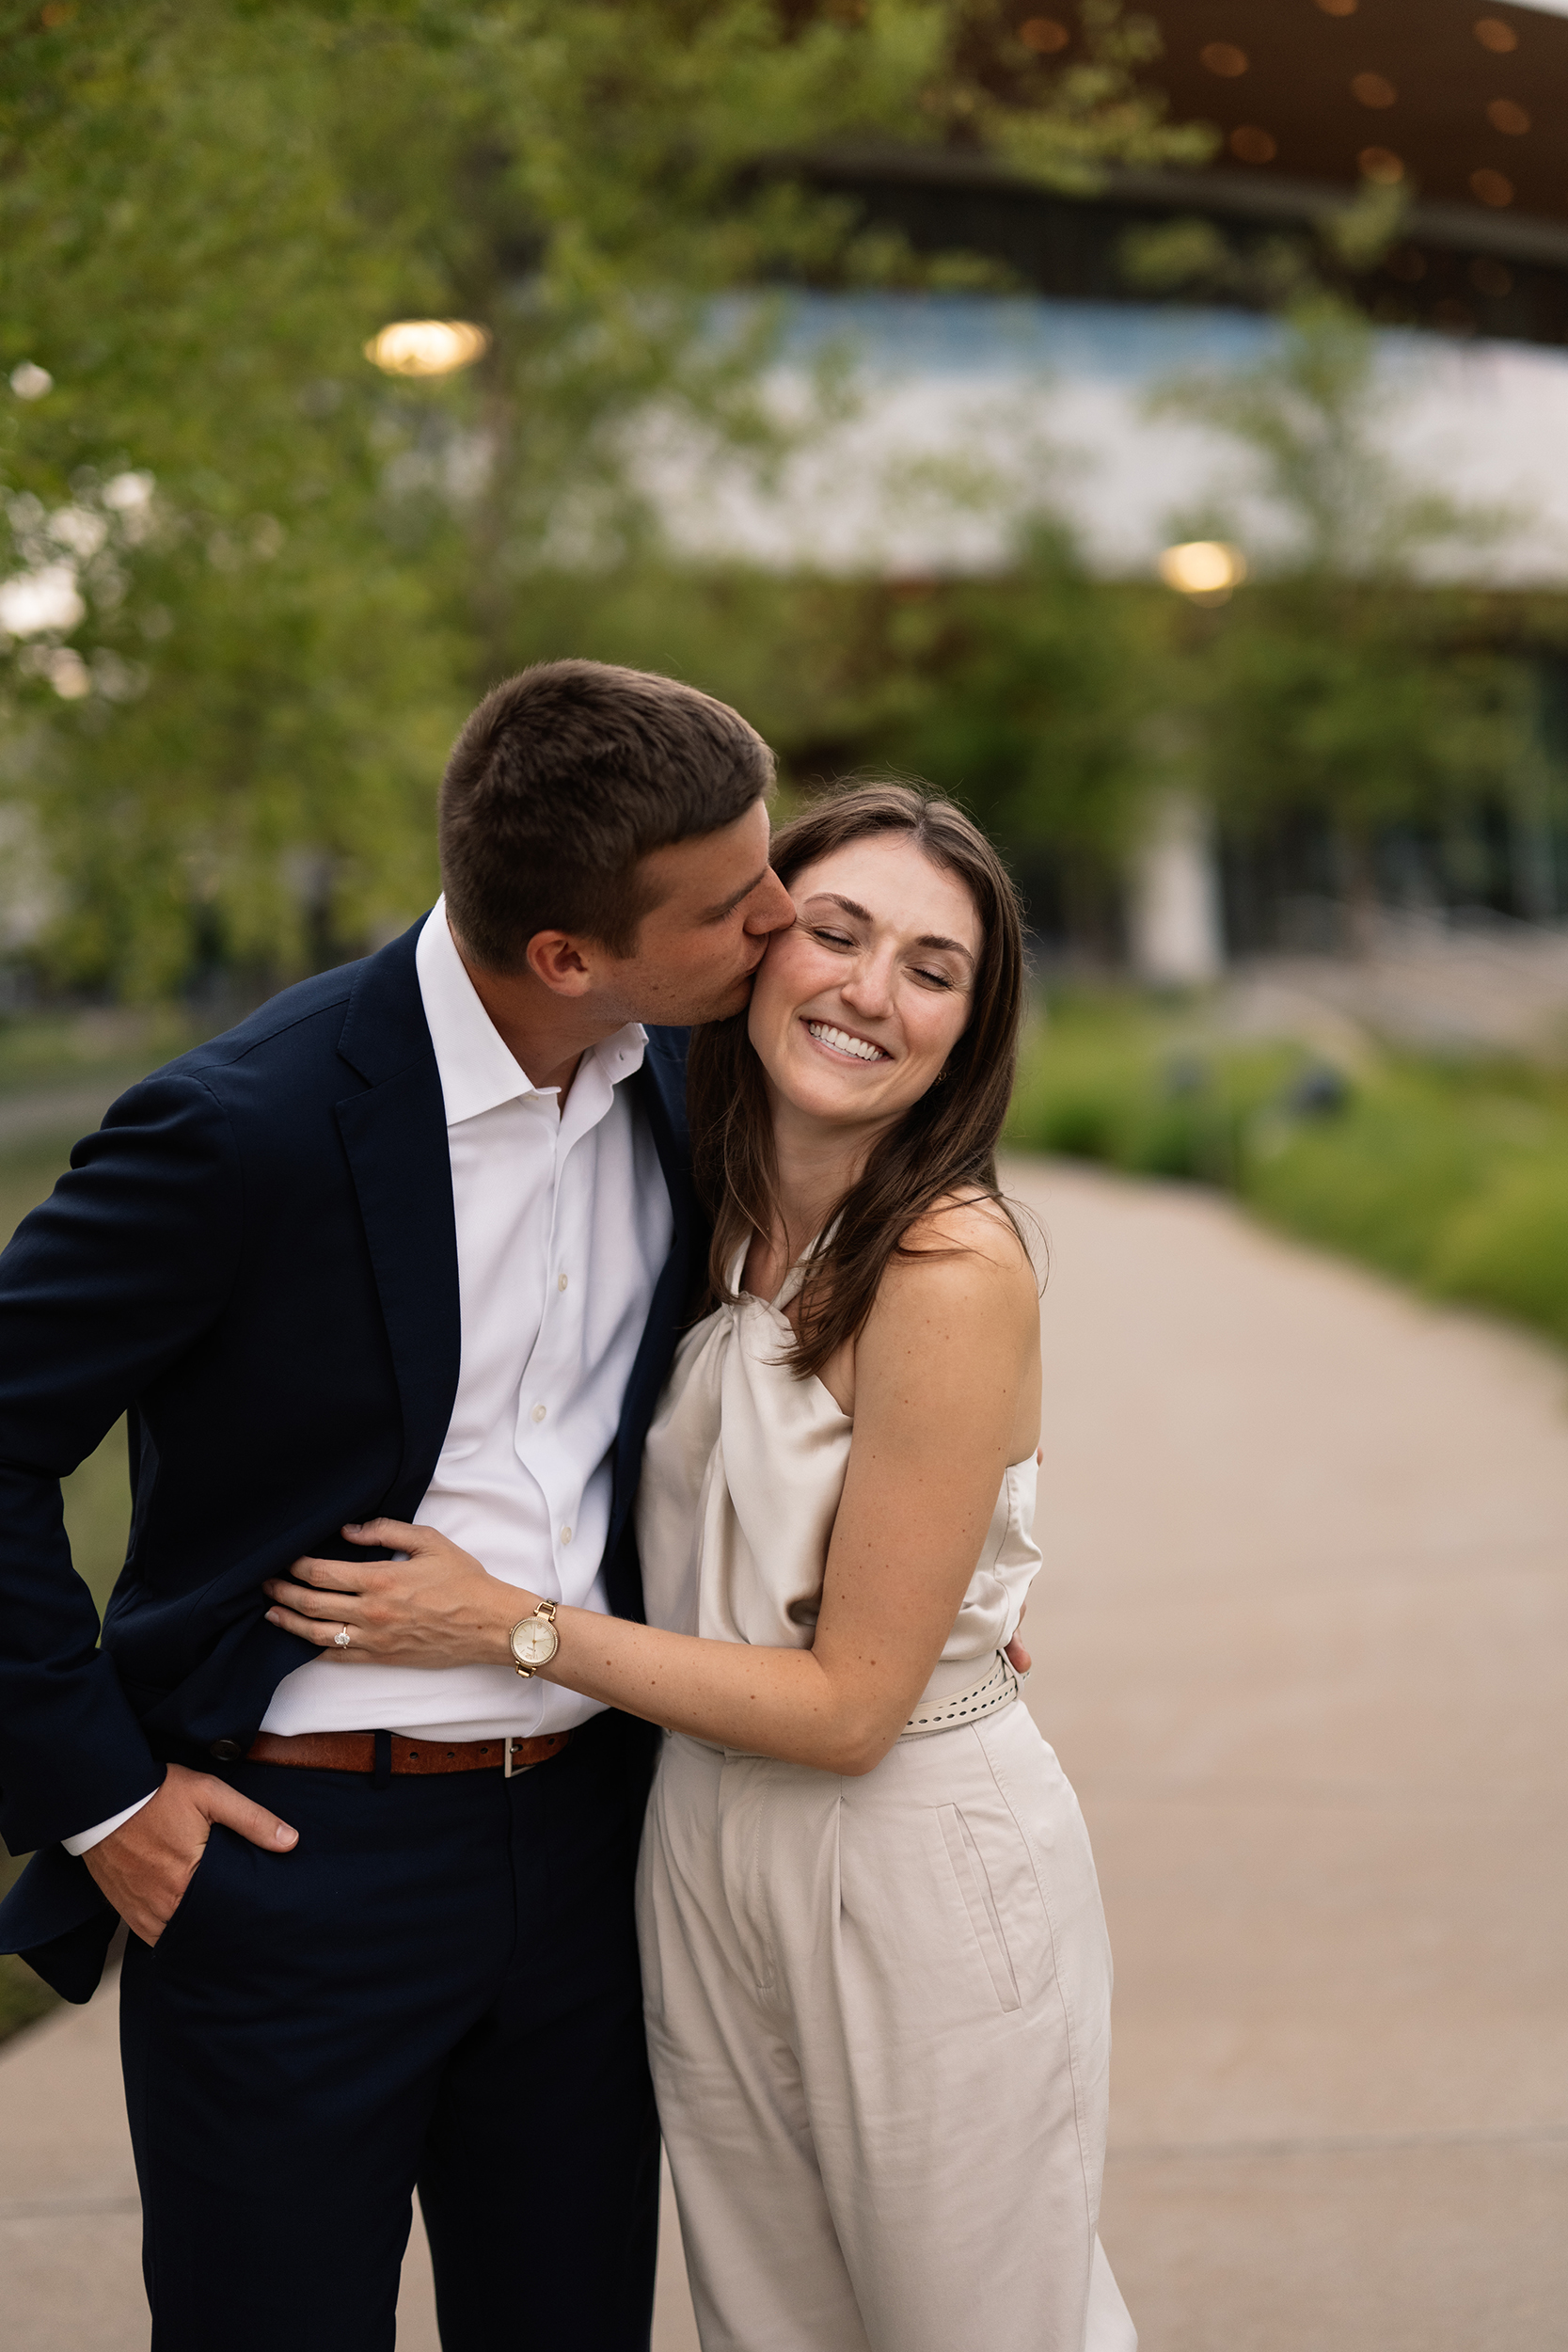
point(49, 1112)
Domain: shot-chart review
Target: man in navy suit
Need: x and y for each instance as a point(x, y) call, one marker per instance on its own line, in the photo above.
point(417, 1239)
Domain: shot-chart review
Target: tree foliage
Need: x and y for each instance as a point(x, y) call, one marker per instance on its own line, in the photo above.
point(1344, 681)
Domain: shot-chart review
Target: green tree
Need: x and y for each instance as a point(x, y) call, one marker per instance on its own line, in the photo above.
point(1339, 683)
point(276, 577)
point(1028, 696)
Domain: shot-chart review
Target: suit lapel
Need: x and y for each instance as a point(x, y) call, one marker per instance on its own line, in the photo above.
point(661, 1097)
point(395, 1135)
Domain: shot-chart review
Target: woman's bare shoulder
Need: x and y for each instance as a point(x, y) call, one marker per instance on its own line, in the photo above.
point(954, 1332)
point(969, 1223)
point(965, 1247)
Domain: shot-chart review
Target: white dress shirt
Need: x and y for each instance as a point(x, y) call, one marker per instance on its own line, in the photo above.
point(563, 1222)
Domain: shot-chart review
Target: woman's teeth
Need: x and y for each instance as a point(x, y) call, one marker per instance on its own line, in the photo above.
point(842, 1042)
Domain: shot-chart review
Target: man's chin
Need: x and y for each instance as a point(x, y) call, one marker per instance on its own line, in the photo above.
point(735, 999)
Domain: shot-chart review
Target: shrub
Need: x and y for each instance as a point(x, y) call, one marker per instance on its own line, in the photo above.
point(1509, 1248)
point(1451, 1176)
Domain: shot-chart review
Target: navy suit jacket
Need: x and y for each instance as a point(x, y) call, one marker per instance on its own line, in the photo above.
point(255, 1258)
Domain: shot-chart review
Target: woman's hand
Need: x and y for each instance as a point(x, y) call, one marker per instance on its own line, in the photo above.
point(438, 1607)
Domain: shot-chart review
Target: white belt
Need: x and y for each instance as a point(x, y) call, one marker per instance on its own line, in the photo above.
point(999, 1688)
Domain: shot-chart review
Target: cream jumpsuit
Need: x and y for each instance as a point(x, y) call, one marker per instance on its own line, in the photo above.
point(878, 2008)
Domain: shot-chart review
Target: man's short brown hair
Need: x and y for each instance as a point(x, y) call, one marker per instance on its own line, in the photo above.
point(563, 781)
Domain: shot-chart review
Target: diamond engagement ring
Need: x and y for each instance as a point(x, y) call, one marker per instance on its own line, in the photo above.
point(339, 1641)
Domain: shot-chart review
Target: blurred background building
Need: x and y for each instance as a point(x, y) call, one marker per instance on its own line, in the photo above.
point(1174, 281)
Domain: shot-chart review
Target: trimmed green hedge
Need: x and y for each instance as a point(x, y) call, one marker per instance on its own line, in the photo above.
point(1453, 1176)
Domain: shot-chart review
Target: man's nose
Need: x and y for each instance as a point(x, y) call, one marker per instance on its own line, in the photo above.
point(774, 909)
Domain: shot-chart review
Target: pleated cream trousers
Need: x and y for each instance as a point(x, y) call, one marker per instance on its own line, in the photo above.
point(878, 2013)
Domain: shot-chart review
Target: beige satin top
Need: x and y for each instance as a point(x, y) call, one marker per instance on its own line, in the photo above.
point(742, 1481)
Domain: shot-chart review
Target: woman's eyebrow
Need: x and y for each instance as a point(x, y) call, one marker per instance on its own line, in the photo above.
point(862, 914)
point(930, 939)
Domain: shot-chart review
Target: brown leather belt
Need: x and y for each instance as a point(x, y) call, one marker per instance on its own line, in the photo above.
point(355, 1752)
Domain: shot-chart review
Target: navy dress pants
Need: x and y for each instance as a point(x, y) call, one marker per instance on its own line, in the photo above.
point(439, 1986)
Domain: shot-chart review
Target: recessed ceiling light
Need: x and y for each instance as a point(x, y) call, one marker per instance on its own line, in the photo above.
point(1374, 89)
point(1492, 34)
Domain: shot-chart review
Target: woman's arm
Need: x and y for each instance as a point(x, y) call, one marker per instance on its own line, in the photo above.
point(946, 1374)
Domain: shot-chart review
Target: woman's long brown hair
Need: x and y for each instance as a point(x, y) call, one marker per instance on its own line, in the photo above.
point(944, 1143)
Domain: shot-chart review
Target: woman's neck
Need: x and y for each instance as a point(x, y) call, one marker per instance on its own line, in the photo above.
point(816, 1164)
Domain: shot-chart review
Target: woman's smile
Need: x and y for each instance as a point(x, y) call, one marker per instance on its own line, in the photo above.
point(843, 1045)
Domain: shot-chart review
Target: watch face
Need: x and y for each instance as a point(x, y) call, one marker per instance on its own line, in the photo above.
point(535, 1644)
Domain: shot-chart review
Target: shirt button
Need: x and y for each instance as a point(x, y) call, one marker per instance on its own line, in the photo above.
point(539, 1412)
point(560, 1283)
point(565, 1534)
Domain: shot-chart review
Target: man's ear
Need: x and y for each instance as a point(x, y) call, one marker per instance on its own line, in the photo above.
point(559, 963)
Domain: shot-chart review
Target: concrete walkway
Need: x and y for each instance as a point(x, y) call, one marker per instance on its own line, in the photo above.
point(1302, 1643)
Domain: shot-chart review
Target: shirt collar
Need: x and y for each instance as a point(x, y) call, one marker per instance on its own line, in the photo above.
point(475, 1066)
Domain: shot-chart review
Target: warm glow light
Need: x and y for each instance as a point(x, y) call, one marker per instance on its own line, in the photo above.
point(1337, 8)
point(1492, 188)
point(36, 601)
point(1224, 58)
point(1381, 165)
point(1043, 35)
point(1206, 569)
point(1504, 114)
point(1374, 89)
point(427, 346)
point(1252, 145)
point(1492, 34)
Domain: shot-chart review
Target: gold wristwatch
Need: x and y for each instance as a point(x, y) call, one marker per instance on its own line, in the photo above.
point(534, 1640)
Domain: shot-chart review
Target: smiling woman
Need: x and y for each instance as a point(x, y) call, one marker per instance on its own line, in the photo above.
point(907, 942)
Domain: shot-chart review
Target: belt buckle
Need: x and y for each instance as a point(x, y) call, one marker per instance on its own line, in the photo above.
point(509, 1770)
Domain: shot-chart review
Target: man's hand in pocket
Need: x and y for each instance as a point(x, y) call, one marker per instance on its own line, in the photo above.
point(145, 1865)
